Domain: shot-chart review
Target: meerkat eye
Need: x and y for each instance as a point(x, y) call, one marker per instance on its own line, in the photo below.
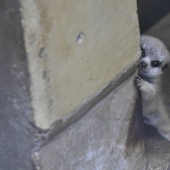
point(155, 63)
point(142, 52)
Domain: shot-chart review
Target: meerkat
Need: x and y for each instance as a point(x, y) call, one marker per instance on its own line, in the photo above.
point(152, 64)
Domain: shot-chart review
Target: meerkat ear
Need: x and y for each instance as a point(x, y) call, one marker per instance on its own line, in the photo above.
point(165, 67)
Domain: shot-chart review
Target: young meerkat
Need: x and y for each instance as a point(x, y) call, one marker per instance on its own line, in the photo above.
point(152, 64)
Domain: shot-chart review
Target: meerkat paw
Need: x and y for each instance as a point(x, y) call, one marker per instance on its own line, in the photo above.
point(138, 82)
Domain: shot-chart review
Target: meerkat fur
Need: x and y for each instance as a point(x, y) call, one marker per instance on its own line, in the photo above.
point(152, 65)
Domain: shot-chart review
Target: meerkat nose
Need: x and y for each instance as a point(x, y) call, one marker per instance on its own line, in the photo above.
point(142, 64)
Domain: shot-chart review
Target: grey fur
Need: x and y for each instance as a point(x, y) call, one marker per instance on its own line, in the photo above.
point(152, 65)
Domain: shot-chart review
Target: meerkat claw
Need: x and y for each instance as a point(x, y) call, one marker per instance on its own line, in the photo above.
point(137, 82)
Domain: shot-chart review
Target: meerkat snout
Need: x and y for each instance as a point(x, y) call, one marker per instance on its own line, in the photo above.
point(143, 64)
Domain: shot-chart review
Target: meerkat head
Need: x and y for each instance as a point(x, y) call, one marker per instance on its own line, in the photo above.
point(154, 58)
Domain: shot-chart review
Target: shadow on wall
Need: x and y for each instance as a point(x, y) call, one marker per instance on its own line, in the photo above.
point(154, 17)
point(150, 12)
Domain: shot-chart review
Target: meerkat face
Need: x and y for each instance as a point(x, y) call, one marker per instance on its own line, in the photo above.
point(154, 58)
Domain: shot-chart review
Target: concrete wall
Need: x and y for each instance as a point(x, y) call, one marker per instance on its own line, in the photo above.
point(74, 48)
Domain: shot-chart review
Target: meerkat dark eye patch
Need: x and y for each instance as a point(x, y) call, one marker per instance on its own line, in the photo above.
point(155, 63)
point(165, 67)
point(142, 52)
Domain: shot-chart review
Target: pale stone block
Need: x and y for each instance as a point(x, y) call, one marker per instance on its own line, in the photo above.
point(74, 48)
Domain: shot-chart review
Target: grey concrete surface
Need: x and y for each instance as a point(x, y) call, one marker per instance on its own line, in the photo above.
point(98, 140)
point(16, 133)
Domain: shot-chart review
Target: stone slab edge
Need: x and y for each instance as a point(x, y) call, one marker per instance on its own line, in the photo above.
point(59, 126)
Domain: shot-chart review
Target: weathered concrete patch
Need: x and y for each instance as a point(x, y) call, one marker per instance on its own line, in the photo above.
point(157, 153)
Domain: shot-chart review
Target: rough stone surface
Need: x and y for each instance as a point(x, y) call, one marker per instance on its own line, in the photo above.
point(75, 48)
point(97, 141)
point(157, 151)
point(16, 133)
